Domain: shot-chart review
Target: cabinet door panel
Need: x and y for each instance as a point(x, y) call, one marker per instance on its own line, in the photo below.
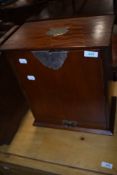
point(74, 92)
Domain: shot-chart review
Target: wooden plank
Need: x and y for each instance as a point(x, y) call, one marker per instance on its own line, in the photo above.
point(60, 148)
point(43, 166)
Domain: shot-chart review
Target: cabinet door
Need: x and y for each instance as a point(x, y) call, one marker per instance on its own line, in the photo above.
point(71, 95)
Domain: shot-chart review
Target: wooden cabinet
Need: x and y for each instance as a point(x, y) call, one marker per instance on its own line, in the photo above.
point(64, 68)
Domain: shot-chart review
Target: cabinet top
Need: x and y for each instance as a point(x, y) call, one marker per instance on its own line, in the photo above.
point(62, 33)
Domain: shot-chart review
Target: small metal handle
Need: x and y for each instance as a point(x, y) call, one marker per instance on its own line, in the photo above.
point(69, 123)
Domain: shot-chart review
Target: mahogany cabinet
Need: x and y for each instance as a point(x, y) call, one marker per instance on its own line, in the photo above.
point(64, 67)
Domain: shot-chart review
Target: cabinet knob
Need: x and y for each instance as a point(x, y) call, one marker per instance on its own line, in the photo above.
point(69, 123)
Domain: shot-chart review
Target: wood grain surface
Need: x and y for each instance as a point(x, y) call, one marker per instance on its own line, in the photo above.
point(61, 151)
point(83, 32)
point(75, 92)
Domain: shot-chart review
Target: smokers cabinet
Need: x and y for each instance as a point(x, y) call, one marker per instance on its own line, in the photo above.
point(64, 68)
